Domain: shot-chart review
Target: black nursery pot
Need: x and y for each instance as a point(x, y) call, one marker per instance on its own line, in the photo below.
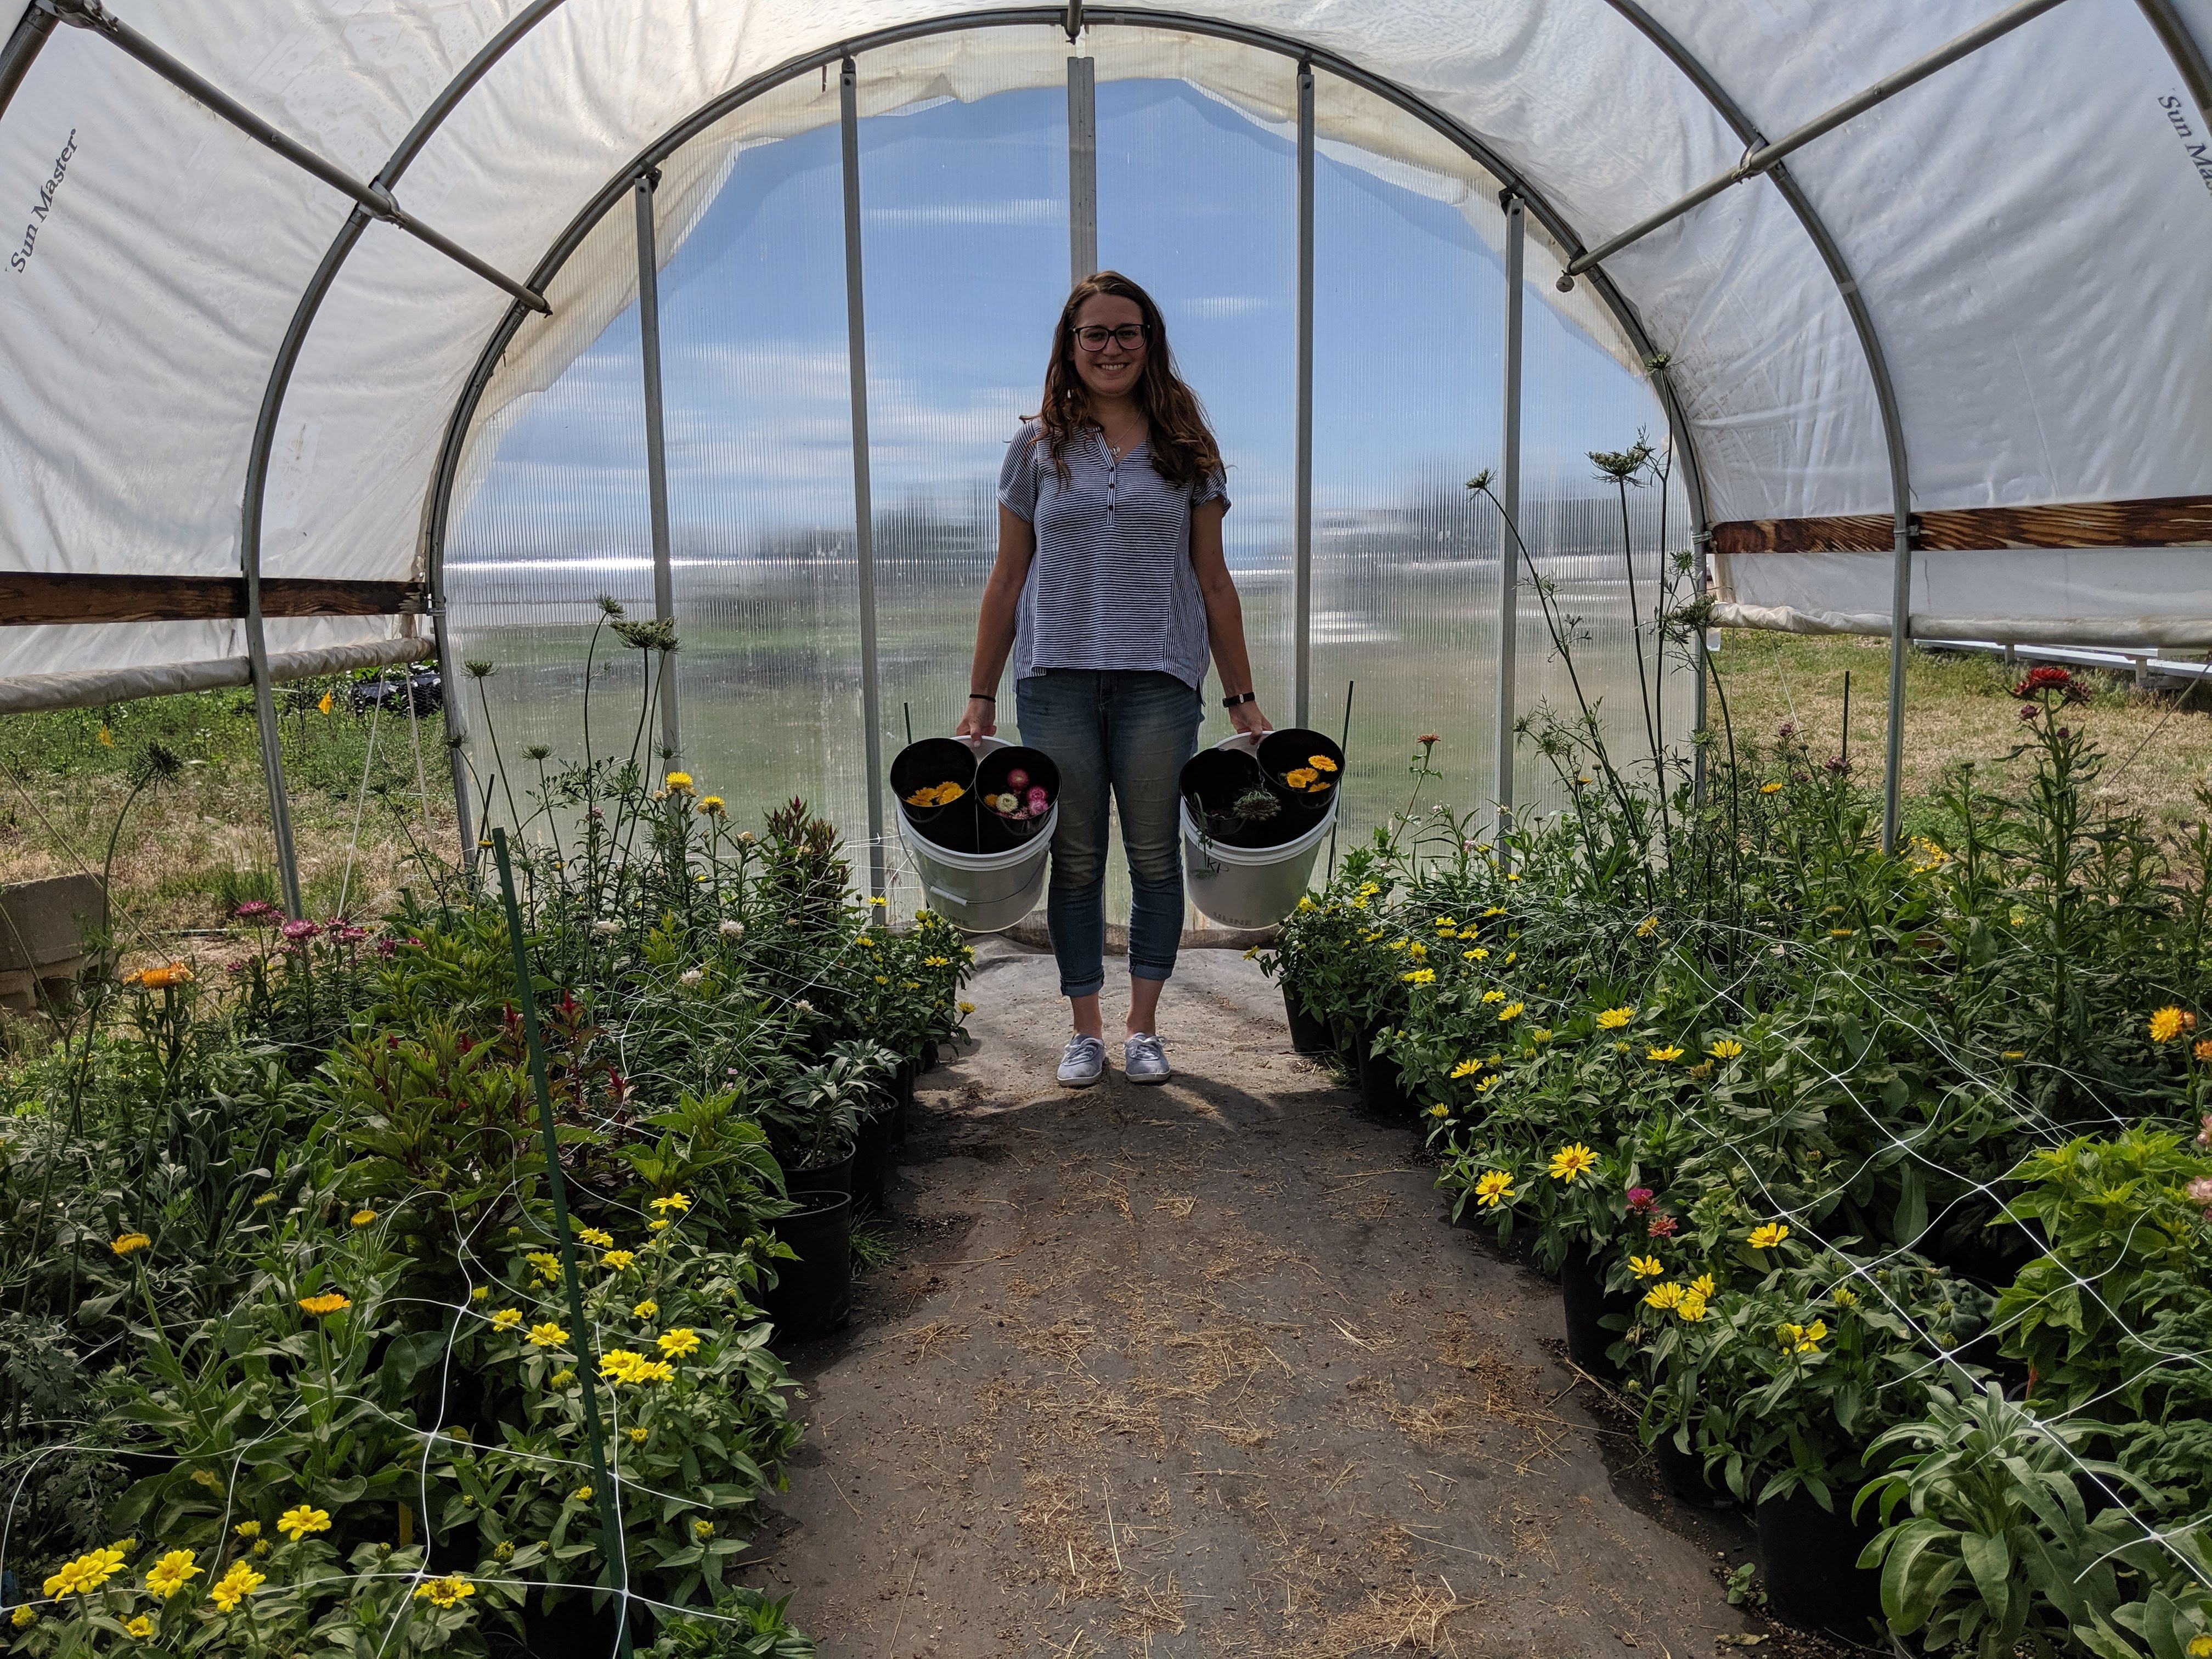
point(933, 761)
point(1810, 1555)
point(1382, 1090)
point(1309, 1036)
point(1213, 781)
point(1284, 751)
point(1683, 1474)
point(577, 1630)
point(996, 833)
point(874, 1155)
point(813, 1295)
point(835, 1177)
point(1586, 1300)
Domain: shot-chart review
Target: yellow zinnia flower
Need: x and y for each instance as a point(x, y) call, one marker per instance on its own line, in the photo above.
point(130, 1241)
point(1510, 1011)
point(1494, 1188)
point(235, 1586)
point(646, 1309)
point(620, 1365)
point(88, 1572)
point(1611, 1020)
point(506, 1319)
point(1645, 1266)
point(597, 1237)
point(1670, 1052)
point(1320, 762)
point(677, 1202)
point(546, 1335)
point(141, 1627)
point(1572, 1160)
point(1420, 977)
point(1440, 1110)
point(1770, 788)
point(1726, 1048)
point(1493, 996)
point(1648, 926)
point(1467, 1068)
point(1767, 1235)
point(682, 1341)
point(1690, 1308)
point(362, 1217)
point(1663, 1296)
point(298, 1521)
point(171, 1573)
point(329, 1301)
point(618, 1260)
point(452, 1589)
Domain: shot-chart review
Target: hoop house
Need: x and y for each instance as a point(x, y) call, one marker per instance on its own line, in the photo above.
point(329, 343)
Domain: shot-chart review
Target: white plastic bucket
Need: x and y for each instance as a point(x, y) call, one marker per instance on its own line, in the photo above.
point(1249, 886)
point(980, 892)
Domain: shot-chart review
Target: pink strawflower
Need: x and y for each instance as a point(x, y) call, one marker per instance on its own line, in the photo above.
point(385, 947)
point(2200, 1190)
point(254, 909)
point(2204, 1133)
point(296, 931)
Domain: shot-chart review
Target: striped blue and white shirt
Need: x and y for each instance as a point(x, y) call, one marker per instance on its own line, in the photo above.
point(1111, 586)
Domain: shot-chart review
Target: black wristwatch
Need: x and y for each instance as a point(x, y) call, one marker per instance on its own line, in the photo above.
point(1240, 698)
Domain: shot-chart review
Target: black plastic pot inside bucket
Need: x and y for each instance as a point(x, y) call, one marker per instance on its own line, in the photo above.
point(875, 1154)
point(1306, 769)
point(813, 1294)
point(919, 769)
point(1810, 1556)
point(998, 830)
point(1586, 1302)
point(1229, 801)
point(835, 1178)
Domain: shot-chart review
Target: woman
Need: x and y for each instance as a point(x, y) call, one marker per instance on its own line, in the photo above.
point(1109, 588)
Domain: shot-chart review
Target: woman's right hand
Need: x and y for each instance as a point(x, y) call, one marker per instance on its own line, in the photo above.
point(981, 720)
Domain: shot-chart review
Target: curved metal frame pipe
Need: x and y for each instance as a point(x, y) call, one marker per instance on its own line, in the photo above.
point(438, 502)
point(255, 496)
point(1885, 390)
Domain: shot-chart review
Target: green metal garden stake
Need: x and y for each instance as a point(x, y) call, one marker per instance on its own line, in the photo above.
point(1343, 748)
point(611, 1538)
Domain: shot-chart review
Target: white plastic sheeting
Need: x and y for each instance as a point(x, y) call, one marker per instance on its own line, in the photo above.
point(2029, 228)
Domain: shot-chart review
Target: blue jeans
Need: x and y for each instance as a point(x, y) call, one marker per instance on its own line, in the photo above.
point(1130, 733)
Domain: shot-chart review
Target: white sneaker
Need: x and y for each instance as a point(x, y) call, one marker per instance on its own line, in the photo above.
point(1143, 1060)
point(1082, 1062)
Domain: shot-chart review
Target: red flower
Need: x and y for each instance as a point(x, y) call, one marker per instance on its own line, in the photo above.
point(1639, 1199)
point(2045, 679)
point(1661, 1226)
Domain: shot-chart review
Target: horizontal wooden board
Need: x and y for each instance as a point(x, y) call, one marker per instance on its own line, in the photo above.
point(29, 597)
point(2165, 521)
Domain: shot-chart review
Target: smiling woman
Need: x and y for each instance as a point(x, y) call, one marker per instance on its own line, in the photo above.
point(1111, 591)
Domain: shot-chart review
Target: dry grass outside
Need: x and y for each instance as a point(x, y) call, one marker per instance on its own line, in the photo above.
point(1958, 708)
point(193, 850)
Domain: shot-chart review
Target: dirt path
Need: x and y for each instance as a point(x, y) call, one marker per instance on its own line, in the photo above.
point(1198, 1369)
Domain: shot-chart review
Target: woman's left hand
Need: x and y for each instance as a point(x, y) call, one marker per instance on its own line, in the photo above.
point(1249, 721)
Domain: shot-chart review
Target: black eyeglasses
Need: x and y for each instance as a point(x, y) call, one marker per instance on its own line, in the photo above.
point(1129, 337)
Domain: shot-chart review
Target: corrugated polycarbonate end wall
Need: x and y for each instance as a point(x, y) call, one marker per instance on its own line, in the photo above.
point(964, 237)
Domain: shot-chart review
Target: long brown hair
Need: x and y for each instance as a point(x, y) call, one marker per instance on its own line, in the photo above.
point(1181, 444)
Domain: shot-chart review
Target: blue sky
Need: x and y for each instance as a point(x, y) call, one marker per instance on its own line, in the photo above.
point(965, 245)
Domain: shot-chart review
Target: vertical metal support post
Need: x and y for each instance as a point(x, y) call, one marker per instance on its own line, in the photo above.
point(1082, 168)
point(1509, 495)
point(656, 446)
point(272, 746)
point(1900, 635)
point(455, 704)
point(1301, 463)
point(864, 529)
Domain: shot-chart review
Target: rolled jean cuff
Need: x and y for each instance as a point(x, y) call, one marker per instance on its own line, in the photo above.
point(1089, 990)
point(1152, 970)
